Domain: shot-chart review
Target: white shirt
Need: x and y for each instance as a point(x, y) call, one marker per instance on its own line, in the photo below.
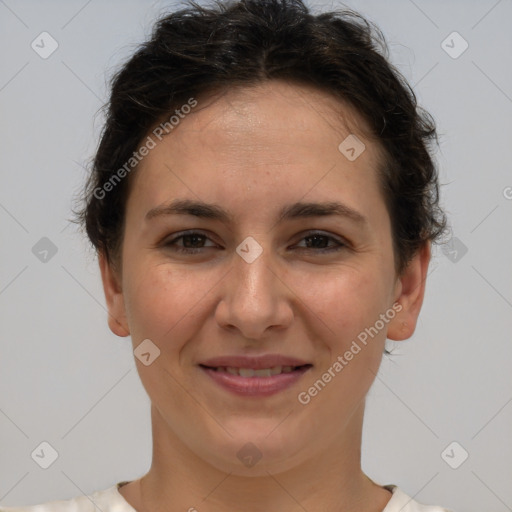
point(111, 500)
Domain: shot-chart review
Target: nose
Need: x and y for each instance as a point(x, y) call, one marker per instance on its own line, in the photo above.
point(255, 298)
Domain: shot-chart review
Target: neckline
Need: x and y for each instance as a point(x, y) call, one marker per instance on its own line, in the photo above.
point(390, 487)
point(119, 497)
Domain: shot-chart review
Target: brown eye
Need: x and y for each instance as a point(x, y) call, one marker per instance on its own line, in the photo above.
point(319, 242)
point(192, 242)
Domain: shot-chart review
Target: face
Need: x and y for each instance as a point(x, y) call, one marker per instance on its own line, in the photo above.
point(252, 288)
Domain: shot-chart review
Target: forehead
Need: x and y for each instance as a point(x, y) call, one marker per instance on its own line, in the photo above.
point(270, 114)
point(275, 138)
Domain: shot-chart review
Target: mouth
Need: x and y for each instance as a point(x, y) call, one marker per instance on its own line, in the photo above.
point(255, 382)
point(257, 372)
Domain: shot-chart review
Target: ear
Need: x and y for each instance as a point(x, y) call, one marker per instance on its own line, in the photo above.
point(410, 289)
point(114, 297)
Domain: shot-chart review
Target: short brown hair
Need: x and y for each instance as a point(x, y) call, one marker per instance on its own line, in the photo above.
point(203, 48)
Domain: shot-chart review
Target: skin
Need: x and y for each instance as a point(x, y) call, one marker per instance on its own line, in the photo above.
point(252, 151)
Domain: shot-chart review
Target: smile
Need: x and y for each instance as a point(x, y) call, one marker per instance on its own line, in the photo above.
point(255, 382)
point(251, 372)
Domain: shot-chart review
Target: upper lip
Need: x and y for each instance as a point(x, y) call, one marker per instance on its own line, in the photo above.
point(255, 362)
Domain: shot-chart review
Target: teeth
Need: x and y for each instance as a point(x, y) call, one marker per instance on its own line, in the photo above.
point(276, 370)
point(265, 372)
point(250, 372)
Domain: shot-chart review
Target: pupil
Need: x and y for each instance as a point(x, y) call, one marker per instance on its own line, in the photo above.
point(189, 237)
point(316, 238)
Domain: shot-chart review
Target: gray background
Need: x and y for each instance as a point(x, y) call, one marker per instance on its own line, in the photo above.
point(65, 379)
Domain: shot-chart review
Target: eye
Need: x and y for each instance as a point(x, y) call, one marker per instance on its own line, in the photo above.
point(316, 241)
point(192, 241)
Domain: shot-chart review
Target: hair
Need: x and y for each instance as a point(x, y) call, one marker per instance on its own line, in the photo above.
point(201, 49)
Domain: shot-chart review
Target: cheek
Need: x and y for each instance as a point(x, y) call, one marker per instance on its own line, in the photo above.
point(350, 304)
point(346, 299)
point(161, 300)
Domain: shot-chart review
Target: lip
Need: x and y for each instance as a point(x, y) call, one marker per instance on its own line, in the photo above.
point(254, 386)
point(255, 362)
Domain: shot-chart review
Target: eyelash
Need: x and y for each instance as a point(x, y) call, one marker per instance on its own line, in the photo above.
point(186, 250)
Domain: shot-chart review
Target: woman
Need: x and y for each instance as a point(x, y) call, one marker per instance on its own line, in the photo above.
point(263, 203)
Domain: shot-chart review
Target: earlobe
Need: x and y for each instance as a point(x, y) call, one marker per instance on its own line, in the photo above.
point(410, 293)
point(114, 297)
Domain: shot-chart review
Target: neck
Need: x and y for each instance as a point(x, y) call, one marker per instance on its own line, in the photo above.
point(332, 481)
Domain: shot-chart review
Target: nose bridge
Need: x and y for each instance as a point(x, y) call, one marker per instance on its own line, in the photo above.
point(253, 298)
point(253, 282)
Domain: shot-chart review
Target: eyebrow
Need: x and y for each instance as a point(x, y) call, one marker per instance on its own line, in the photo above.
point(292, 211)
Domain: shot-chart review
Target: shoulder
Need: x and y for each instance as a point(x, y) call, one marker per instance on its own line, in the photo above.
point(401, 502)
point(106, 500)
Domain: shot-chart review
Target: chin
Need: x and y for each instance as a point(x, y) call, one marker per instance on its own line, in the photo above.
point(252, 452)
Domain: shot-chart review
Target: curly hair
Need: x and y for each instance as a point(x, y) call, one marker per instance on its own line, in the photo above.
point(200, 49)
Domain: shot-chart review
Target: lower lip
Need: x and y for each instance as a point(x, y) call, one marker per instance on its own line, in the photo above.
point(255, 386)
